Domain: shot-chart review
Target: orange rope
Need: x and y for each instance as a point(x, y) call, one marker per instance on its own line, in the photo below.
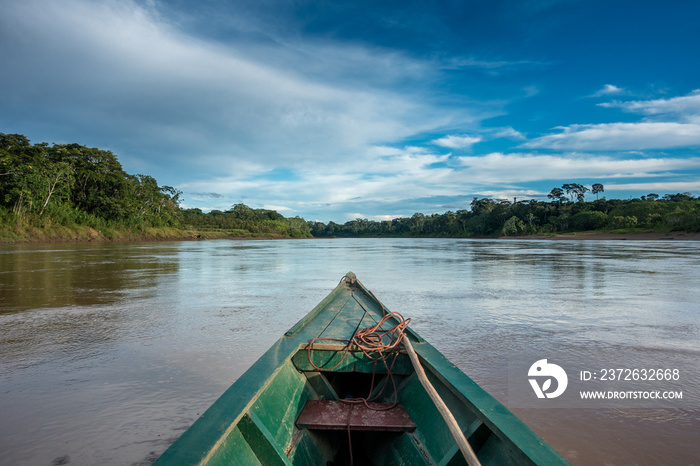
point(376, 344)
point(347, 279)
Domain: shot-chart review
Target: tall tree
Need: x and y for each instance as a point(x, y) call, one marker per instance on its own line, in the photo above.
point(596, 189)
point(556, 194)
point(580, 192)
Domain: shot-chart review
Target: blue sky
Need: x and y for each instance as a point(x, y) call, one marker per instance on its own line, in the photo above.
point(338, 110)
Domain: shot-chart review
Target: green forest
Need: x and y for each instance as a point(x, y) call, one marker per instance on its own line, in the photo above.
point(496, 218)
point(71, 192)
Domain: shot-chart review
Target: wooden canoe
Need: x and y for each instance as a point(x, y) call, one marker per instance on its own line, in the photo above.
point(285, 411)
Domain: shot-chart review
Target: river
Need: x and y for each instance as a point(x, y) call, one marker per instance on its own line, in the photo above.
point(111, 350)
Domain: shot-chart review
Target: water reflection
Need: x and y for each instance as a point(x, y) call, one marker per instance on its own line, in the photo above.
point(32, 276)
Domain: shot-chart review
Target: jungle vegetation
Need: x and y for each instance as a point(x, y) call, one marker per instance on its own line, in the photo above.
point(70, 191)
point(566, 212)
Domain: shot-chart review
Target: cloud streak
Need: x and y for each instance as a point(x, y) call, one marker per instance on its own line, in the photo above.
point(457, 142)
point(685, 108)
point(668, 187)
point(620, 137)
point(608, 89)
point(518, 167)
point(669, 123)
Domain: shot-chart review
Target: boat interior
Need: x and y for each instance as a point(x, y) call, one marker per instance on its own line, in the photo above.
point(270, 431)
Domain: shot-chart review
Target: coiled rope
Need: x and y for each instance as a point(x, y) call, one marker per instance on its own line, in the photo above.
point(377, 344)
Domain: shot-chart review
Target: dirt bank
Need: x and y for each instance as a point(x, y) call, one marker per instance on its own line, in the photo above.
point(683, 236)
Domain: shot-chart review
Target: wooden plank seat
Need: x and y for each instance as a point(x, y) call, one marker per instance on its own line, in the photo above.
point(337, 415)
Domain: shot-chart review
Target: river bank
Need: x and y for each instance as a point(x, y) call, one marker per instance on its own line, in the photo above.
point(86, 234)
point(647, 236)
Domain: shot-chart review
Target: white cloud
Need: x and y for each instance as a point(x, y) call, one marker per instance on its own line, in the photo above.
point(686, 108)
point(509, 194)
point(509, 133)
point(670, 123)
point(660, 187)
point(279, 208)
point(383, 151)
point(519, 168)
point(457, 63)
point(608, 89)
point(456, 142)
point(404, 163)
point(620, 136)
point(383, 218)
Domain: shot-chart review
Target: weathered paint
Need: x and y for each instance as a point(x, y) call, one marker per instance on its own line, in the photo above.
point(253, 422)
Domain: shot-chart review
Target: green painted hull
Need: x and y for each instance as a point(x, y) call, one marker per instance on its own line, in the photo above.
point(253, 422)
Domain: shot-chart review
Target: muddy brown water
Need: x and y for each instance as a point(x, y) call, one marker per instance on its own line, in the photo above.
point(110, 351)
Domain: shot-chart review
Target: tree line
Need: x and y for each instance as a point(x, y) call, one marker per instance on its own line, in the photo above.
point(241, 219)
point(566, 212)
point(69, 184)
